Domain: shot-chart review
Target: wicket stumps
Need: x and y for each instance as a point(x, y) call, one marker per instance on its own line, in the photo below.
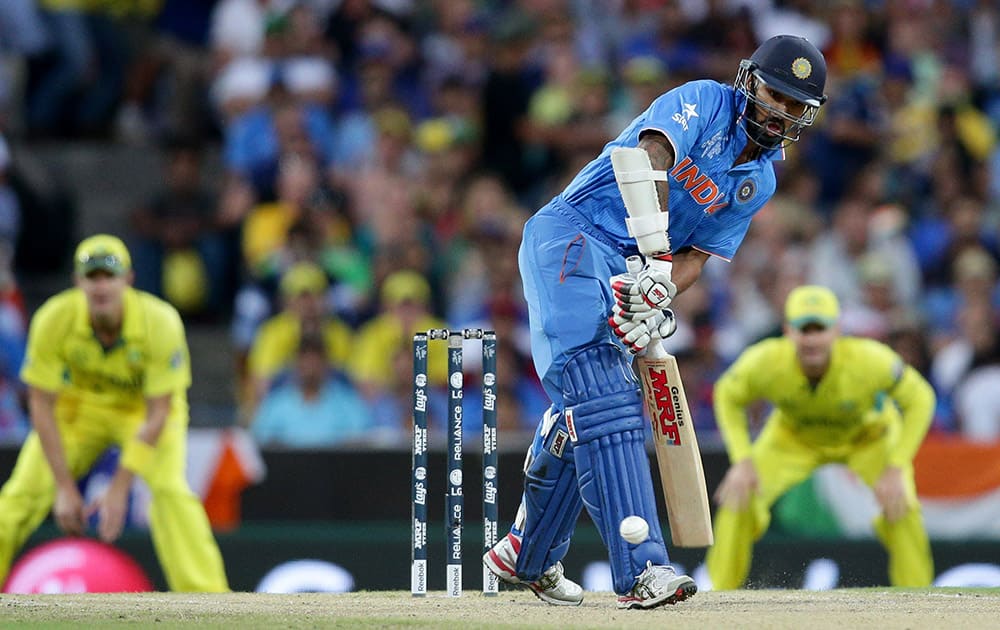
point(454, 504)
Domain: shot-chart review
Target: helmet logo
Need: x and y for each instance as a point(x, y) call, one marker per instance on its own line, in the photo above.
point(801, 68)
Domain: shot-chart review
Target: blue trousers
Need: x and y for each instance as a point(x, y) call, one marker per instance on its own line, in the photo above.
point(565, 277)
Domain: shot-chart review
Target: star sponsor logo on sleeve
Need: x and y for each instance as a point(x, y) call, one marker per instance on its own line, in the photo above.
point(688, 111)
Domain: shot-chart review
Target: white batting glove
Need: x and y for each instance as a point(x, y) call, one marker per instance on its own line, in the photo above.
point(646, 292)
point(636, 334)
point(624, 288)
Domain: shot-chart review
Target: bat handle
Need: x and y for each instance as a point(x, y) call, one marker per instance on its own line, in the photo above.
point(634, 264)
point(655, 349)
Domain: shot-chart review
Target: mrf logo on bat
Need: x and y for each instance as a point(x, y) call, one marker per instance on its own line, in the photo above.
point(666, 405)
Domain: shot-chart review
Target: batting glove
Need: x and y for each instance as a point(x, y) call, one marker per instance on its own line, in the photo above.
point(646, 292)
point(636, 334)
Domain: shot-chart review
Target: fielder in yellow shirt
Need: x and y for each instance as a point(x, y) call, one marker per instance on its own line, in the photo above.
point(835, 400)
point(108, 365)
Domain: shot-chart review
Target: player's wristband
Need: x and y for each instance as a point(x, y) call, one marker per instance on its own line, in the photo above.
point(138, 457)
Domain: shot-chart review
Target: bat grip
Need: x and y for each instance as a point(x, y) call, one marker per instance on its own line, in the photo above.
point(655, 349)
point(634, 265)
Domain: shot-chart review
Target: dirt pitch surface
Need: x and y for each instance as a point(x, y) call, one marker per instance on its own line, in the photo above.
point(847, 608)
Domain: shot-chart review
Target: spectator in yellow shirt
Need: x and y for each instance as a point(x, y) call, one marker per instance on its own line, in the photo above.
point(265, 231)
point(303, 289)
point(836, 400)
point(404, 298)
point(108, 365)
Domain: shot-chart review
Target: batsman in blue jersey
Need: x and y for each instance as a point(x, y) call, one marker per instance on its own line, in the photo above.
point(710, 149)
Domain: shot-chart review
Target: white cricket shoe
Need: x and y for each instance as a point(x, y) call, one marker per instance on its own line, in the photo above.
point(658, 585)
point(553, 587)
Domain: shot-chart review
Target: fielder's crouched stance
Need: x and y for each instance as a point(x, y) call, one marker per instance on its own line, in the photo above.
point(837, 399)
point(108, 365)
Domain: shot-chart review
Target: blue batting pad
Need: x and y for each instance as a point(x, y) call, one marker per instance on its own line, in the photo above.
point(604, 417)
point(551, 502)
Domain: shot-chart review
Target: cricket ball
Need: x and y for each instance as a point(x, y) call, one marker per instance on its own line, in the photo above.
point(634, 529)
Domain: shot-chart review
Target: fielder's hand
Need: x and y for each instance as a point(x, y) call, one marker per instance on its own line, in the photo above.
point(637, 333)
point(738, 486)
point(68, 511)
point(891, 494)
point(648, 290)
point(111, 509)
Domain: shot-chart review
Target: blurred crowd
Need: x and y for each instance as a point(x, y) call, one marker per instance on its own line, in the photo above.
point(380, 157)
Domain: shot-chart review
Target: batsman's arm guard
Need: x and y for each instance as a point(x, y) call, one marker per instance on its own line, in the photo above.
point(636, 181)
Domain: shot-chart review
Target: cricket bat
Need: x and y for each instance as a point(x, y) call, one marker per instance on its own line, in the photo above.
point(682, 475)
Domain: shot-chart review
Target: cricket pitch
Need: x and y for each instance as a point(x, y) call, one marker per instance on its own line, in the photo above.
point(882, 608)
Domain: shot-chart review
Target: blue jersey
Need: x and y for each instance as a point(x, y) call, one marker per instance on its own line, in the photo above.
point(711, 201)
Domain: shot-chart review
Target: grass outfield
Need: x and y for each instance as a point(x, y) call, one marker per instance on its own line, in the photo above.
point(882, 608)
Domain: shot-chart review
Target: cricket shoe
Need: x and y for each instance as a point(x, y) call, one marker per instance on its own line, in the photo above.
point(552, 587)
point(658, 585)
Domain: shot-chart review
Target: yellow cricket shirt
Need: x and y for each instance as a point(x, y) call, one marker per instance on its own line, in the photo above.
point(277, 341)
point(149, 359)
point(841, 410)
